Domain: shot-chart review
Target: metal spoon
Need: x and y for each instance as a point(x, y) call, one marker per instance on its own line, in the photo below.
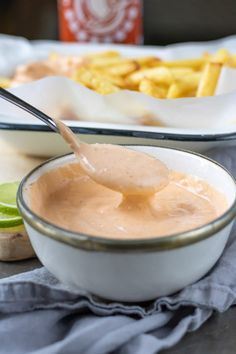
point(6, 95)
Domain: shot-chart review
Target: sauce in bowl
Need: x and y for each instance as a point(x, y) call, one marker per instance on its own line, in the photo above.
point(69, 198)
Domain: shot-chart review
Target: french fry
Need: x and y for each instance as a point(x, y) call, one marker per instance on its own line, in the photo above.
point(116, 80)
point(191, 80)
point(192, 63)
point(84, 77)
point(209, 79)
point(184, 86)
point(190, 94)
point(106, 62)
point(104, 54)
point(222, 56)
point(178, 89)
point(105, 87)
point(175, 90)
point(122, 69)
point(150, 88)
point(160, 75)
point(232, 62)
point(206, 56)
point(5, 82)
point(95, 81)
point(100, 61)
point(180, 72)
point(146, 62)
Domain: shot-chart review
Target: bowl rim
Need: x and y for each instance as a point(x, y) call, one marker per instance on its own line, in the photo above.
point(96, 243)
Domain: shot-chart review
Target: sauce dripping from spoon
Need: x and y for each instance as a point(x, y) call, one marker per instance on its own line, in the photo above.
point(132, 173)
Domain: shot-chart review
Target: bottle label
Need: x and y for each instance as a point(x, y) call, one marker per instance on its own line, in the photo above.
point(107, 21)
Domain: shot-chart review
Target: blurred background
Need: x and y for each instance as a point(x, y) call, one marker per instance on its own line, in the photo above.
point(164, 21)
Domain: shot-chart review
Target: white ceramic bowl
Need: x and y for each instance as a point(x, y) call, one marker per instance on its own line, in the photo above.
point(134, 270)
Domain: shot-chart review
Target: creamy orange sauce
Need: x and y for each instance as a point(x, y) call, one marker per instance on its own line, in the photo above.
point(127, 171)
point(69, 198)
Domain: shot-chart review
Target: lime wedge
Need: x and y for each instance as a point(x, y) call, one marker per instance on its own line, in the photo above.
point(8, 198)
point(7, 221)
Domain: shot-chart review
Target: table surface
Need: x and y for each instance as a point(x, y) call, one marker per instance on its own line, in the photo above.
point(216, 336)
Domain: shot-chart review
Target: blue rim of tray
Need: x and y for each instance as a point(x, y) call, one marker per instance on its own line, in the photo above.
point(124, 132)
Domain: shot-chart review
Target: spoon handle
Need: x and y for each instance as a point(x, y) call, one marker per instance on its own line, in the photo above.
point(27, 107)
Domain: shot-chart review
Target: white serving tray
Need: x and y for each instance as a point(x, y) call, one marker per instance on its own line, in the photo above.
point(32, 137)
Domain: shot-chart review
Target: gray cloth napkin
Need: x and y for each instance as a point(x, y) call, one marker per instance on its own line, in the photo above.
point(39, 315)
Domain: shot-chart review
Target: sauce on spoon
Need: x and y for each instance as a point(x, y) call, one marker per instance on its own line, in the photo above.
point(127, 171)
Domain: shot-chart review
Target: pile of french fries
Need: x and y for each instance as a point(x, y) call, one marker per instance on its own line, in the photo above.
point(5, 82)
point(108, 72)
